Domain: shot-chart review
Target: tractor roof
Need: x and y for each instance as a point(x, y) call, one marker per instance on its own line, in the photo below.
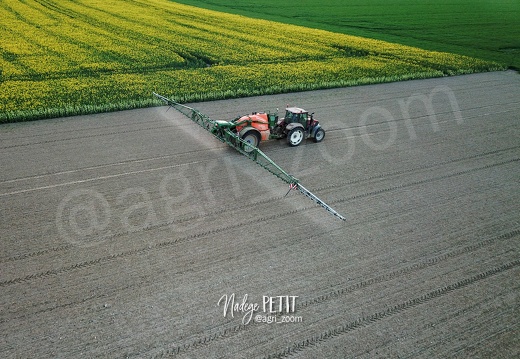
point(295, 110)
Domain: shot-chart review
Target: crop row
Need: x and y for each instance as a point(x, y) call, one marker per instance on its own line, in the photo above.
point(61, 57)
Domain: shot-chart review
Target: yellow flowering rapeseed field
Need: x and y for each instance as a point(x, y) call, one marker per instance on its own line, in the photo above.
point(61, 57)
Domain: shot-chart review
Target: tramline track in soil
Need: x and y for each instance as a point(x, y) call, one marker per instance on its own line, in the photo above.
point(135, 125)
point(338, 200)
point(377, 216)
point(349, 288)
point(426, 264)
point(433, 260)
point(429, 262)
point(321, 298)
point(393, 310)
point(390, 309)
point(241, 206)
point(402, 212)
point(163, 246)
point(274, 152)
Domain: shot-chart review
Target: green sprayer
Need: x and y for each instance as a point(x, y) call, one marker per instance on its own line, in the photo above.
point(245, 133)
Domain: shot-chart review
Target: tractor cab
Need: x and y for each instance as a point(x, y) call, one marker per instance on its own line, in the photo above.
point(297, 115)
point(298, 124)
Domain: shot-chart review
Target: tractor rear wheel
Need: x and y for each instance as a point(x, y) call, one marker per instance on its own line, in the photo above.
point(252, 137)
point(295, 136)
point(319, 135)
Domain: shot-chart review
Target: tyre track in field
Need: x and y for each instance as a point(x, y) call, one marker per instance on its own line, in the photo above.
point(424, 181)
point(321, 298)
point(182, 123)
point(99, 260)
point(395, 309)
point(511, 313)
point(78, 130)
point(365, 220)
point(415, 169)
point(426, 124)
point(172, 126)
point(396, 120)
point(231, 331)
point(114, 164)
point(366, 320)
point(374, 126)
point(414, 267)
point(342, 291)
point(94, 179)
point(240, 207)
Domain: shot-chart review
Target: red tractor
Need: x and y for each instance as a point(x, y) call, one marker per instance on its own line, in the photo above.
point(297, 125)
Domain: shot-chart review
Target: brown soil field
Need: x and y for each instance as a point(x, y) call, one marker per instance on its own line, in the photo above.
point(129, 234)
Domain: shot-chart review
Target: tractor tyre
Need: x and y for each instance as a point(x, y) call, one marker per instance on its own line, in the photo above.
point(295, 136)
point(252, 137)
point(319, 135)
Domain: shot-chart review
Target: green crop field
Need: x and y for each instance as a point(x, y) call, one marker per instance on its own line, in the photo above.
point(487, 29)
point(63, 57)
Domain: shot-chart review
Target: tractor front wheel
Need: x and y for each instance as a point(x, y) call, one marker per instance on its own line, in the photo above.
point(251, 137)
point(319, 135)
point(295, 136)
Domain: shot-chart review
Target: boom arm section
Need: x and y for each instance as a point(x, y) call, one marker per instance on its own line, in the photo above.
point(223, 131)
point(196, 116)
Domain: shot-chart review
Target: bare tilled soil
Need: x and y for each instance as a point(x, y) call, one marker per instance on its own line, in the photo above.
point(132, 234)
